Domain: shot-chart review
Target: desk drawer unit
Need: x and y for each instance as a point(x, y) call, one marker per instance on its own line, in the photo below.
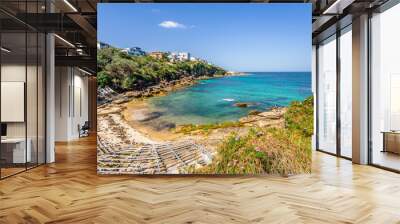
point(391, 142)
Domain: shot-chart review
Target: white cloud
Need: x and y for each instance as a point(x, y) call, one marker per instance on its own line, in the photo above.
point(171, 25)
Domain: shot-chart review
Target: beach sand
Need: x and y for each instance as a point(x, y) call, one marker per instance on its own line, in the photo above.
point(140, 117)
point(142, 124)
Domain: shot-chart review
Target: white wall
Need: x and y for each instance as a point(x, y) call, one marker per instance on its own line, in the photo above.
point(62, 81)
point(33, 126)
point(71, 102)
point(80, 109)
point(10, 73)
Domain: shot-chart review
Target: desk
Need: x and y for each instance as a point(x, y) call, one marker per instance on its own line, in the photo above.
point(17, 150)
point(391, 141)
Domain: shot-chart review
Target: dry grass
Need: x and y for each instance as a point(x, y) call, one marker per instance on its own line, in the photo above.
point(206, 128)
point(283, 151)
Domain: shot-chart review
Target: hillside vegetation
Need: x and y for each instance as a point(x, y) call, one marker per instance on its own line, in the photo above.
point(122, 72)
point(283, 151)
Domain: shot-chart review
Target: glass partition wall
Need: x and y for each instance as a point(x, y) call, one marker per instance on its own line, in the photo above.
point(22, 98)
point(345, 61)
point(326, 98)
point(334, 94)
point(334, 90)
point(385, 89)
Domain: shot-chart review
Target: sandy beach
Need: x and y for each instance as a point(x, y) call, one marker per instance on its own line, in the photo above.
point(140, 117)
point(143, 125)
point(134, 139)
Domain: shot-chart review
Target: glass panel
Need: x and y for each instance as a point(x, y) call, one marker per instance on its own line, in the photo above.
point(13, 89)
point(385, 115)
point(31, 98)
point(327, 96)
point(23, 87)
point(32, 87)
point(346, 93)
point(41, 98)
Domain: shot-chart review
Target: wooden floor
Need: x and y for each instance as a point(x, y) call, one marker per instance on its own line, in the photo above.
point(387, 159)
point(69, 191)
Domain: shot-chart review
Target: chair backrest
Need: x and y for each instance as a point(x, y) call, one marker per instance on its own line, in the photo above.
point(86, 125)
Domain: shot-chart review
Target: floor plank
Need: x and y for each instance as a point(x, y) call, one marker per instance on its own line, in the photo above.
point(70, 191)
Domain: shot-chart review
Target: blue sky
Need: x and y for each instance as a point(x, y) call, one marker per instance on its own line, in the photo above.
point(238, 37)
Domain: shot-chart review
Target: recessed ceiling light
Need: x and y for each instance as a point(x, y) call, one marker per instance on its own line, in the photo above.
point(64, 40)
point(5, 50)
point(337, 7)
point(86, 72)
point(70, 5)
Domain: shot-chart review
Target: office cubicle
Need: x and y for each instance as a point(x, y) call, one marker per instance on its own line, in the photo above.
point(22, 77)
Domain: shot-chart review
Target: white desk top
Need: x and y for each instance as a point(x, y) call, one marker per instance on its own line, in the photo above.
point(13, 140)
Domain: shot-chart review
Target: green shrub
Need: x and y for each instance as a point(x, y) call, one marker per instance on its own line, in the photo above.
point(128, 72)
point(128, 82)
point(281, 151)
point(103, 79)
point(299, 116)
point(236, 156)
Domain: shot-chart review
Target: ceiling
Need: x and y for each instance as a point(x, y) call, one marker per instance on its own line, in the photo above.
point(75, 21)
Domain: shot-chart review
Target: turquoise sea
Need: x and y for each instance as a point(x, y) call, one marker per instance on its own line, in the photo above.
point(213, 100)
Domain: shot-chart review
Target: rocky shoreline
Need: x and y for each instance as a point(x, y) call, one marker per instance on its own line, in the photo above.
point(107, 95)
point(273, 117)
point(144, 126)
point(212, 138)
point(125, 121)
point(111, 102)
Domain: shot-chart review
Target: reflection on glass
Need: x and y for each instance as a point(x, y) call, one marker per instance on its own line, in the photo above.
point(385, 93)
point(31, 97)
point(346, 93)
point(327, 96)
point(41, 99)
point(22, 91)
point(14, 153)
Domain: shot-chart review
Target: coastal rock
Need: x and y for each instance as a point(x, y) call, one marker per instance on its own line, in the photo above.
point(109, 110)
point(272, 118)
point(248, 119)
point(254, 112)
point(242, 104)
point(147, 93)
point(121, 101)
point(107, 95)
point(133, 94)
point(275, 113)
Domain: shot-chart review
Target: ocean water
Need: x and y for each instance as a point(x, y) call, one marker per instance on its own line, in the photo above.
point(213, 100)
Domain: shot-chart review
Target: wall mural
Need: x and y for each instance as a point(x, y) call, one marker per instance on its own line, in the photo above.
point(204, 89)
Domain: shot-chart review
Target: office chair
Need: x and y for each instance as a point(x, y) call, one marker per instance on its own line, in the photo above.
point(84, 130)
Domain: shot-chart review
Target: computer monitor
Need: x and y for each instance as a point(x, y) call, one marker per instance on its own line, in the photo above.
point(3, 129)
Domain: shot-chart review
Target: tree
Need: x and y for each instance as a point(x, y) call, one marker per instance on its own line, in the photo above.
point(103, 79)
point(121, 71)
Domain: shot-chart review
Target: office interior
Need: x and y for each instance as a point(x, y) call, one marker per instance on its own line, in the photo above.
point(44, 88)
point(48, 82)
